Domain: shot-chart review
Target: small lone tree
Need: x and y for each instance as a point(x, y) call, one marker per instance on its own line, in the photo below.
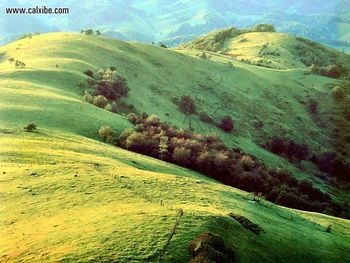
point(106, 133)
point(226, 124)
point(187, 106)
point(11, 60)
point(31, 127)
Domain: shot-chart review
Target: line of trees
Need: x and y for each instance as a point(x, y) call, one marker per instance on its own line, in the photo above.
point(210, 156)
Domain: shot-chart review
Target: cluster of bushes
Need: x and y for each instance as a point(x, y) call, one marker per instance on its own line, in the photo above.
point(90, 32)
point(104, 87)
point(29, 35)
point(334, 70)
point(18, 63)
point(289, 148)
point(209, 155)
point(333, 165)
point(263, 28)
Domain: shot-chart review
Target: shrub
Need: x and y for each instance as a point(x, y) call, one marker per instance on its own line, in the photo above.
point(263, 28)
point(312, 106)
point(89, 73)
point(204, 117)
point(187, 105)
point(246, 223)
point(88, 97)
point(110, 84)
point(208, 247)
point(338, 93)
point(181, 155)
point(277, 145)
point(108, 107)
point(106, 133)
point(152, 120)
point(226, 124)
point(31, 127)
point(132, 117)
point(299, 151)
point(100, 101)
point(163, 45)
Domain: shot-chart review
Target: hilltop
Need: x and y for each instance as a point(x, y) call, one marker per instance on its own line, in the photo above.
point(90, 184)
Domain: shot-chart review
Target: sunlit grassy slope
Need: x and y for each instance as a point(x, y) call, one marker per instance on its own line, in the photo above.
point(67, 197)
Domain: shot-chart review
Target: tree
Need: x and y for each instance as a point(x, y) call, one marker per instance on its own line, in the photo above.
point(11, 60)
point(31, 127)
point(110, 84)
point(98, 32)
point(163, 145)
point(187, 106)
point(100, 101)
point(89, 32)
point(162, 45)
point(226, 124)
point(181, 155)
point(106, 133)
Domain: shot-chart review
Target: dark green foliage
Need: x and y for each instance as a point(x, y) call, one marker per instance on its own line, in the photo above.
point(338, 93)
point(110, 84)
point(210, 156)
point(187, 105)
point(208, 247)
point(289, 148)
point(263, 28)
point(204, 117)
point(89, 73)
point(31, 127)
point(333, 165)
point(162, 45)
point(104, 88)
point(106, 133)
point(246, 223)
point(312, 106)
point(226, 124)
point(19, 64)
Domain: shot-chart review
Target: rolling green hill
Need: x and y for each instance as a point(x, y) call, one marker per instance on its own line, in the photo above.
point(66, 196)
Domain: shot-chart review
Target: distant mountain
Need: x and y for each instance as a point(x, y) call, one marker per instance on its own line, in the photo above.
point(177, 21)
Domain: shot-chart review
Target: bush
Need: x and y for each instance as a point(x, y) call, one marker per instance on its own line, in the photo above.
point(89, 73)
point(88, 97)
point(132, 117)
point(187, 105)
point(152, 120)
point(31, 127)
point(338, 93)
point(100, 101)
point(312, 106)
point(106, 133)
point(208, 247)
point(264, 28)
point(110, 84)
point(181, 155)
point(226, 124)
point(246, 223)
point(204, 117)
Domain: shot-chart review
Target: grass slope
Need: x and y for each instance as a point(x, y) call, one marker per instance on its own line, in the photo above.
point(45, 92)
point(69, 198)
point(122, 206)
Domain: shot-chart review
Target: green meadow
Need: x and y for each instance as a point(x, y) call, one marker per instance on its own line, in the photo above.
point(68, 197)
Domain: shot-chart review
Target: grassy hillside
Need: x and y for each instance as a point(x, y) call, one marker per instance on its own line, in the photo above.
point(55, 62)
point(67, 197)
